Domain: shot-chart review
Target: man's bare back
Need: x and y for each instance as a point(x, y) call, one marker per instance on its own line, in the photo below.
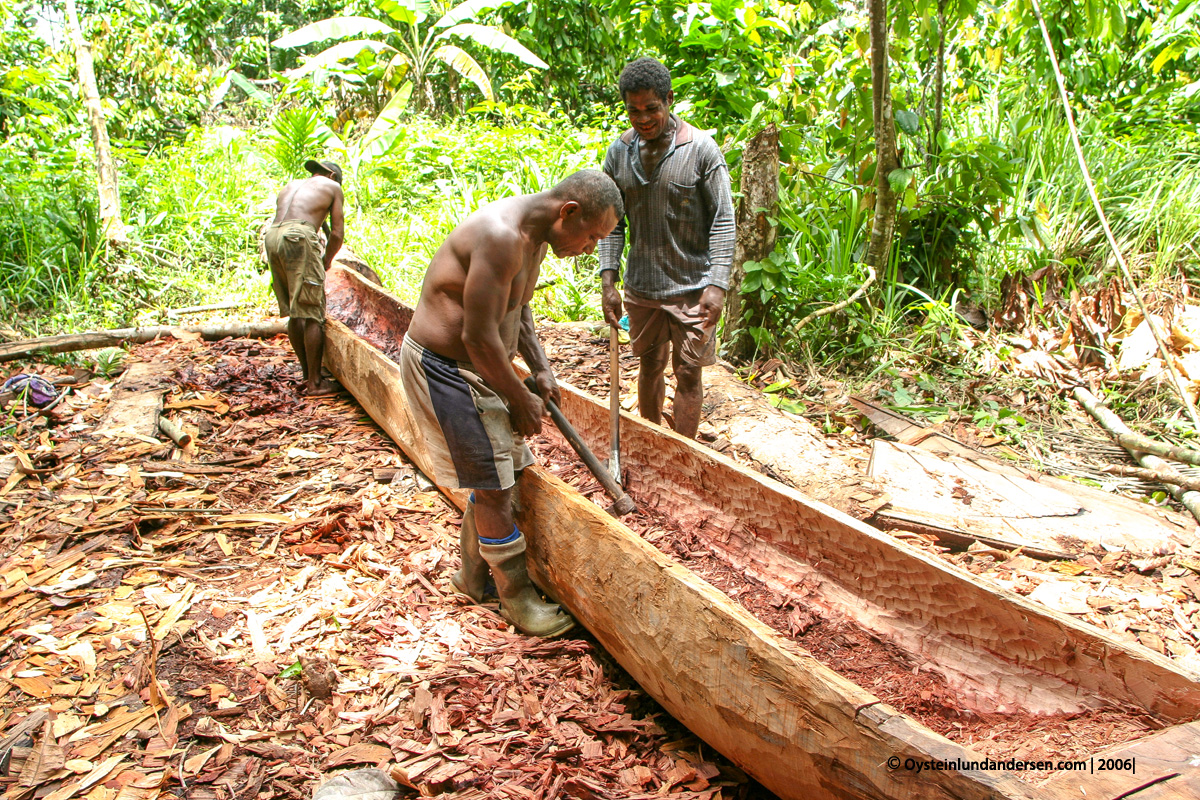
point(474, 309)
point(495, 229)
point(474, 304)
point(313, 200)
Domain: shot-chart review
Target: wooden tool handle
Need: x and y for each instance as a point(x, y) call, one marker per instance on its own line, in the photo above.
point(622, 503)
point(614, 400)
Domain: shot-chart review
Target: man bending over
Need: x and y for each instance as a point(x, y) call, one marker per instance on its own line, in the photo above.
point(472, 318)
point(298, 265)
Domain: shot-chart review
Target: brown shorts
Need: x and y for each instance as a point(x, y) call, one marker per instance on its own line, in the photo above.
point(464, 423)
point(297, 269)
point(653, 323)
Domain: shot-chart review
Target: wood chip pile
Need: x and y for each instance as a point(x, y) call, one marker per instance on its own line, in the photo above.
point(877, 665)
point(1153, 601)
point(248, 615)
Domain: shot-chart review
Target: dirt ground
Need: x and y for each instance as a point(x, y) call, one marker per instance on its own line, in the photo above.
point(245, 616)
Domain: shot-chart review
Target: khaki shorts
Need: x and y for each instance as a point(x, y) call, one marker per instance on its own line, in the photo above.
point(297, 269)
point(464, 422)
point(653, 323)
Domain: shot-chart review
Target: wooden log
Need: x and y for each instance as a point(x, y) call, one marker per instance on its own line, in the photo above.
point(1128, 439)
point(176, 434)
point(622, 503)
point(227, 304)
point(1155, 475)
point(93, 339)
point(793, 724)
point(986, 642)
point(1132, 441)
point(1120, 431)
point(1157, 767)
point(782, 716)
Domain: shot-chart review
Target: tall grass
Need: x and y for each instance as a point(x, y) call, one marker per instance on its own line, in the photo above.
point(1149, 188)
point(200, 205)
point(50, 243)
point(409, 200)
point(195, 209)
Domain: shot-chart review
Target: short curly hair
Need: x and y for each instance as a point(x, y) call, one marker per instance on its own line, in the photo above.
point(646, 73)
point(593, 190)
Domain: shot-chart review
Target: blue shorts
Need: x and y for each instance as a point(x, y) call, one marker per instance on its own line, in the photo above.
point(464, 424)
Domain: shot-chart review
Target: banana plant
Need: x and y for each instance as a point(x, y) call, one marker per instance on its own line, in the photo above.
point(417, 48)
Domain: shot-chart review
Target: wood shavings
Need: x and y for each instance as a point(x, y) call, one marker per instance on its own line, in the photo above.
point(350, 573)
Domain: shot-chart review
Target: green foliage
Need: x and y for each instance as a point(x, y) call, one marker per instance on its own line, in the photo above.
point(293, 670)
point(581, 78)
point(298, 132)
point(406, 56)
point(433, 176)
point(109, 361)
point(149, 80)
point(723, 55)
point(52, 254)
point(569, 290)
point(1150, 191)
point(203, 202)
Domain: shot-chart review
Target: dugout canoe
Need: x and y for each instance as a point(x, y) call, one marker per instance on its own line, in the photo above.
point(761, 700)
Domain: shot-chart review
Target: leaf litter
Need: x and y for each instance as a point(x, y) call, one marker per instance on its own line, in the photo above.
point(250, 615)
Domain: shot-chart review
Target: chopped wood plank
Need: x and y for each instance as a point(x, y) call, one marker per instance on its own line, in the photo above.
point(1003, 508)
point(136, 402)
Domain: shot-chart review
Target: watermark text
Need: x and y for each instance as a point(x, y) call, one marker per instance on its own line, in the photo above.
point(1089, 765)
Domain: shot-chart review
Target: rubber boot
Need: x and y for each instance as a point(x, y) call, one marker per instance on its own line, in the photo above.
point(472, 578)
point(520, 602)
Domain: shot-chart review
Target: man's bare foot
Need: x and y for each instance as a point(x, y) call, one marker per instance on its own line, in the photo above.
point(323, 389)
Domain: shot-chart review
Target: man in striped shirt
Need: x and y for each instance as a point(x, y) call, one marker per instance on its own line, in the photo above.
point(679, 222)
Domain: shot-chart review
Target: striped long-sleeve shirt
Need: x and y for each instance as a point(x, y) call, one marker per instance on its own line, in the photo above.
point(679, 220)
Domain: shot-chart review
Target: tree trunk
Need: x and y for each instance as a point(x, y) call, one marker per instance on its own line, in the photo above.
point(32, 348)
point(267, 36)
point(885, 141)
point(939, 83)
point(106, 172)
point(755, 235)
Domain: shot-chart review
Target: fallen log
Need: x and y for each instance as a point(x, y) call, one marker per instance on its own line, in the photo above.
point(88, 341)
point(794, 724)
point(1155, 475)
point(1132, 441)
point(172, 313)
point(1121, 433)
point(174, 432)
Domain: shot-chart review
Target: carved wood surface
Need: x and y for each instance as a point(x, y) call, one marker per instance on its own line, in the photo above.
point(796, 726)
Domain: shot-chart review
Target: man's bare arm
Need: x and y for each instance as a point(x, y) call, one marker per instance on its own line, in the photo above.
point(530, 348)
point(495, 262)
point(337, 226)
